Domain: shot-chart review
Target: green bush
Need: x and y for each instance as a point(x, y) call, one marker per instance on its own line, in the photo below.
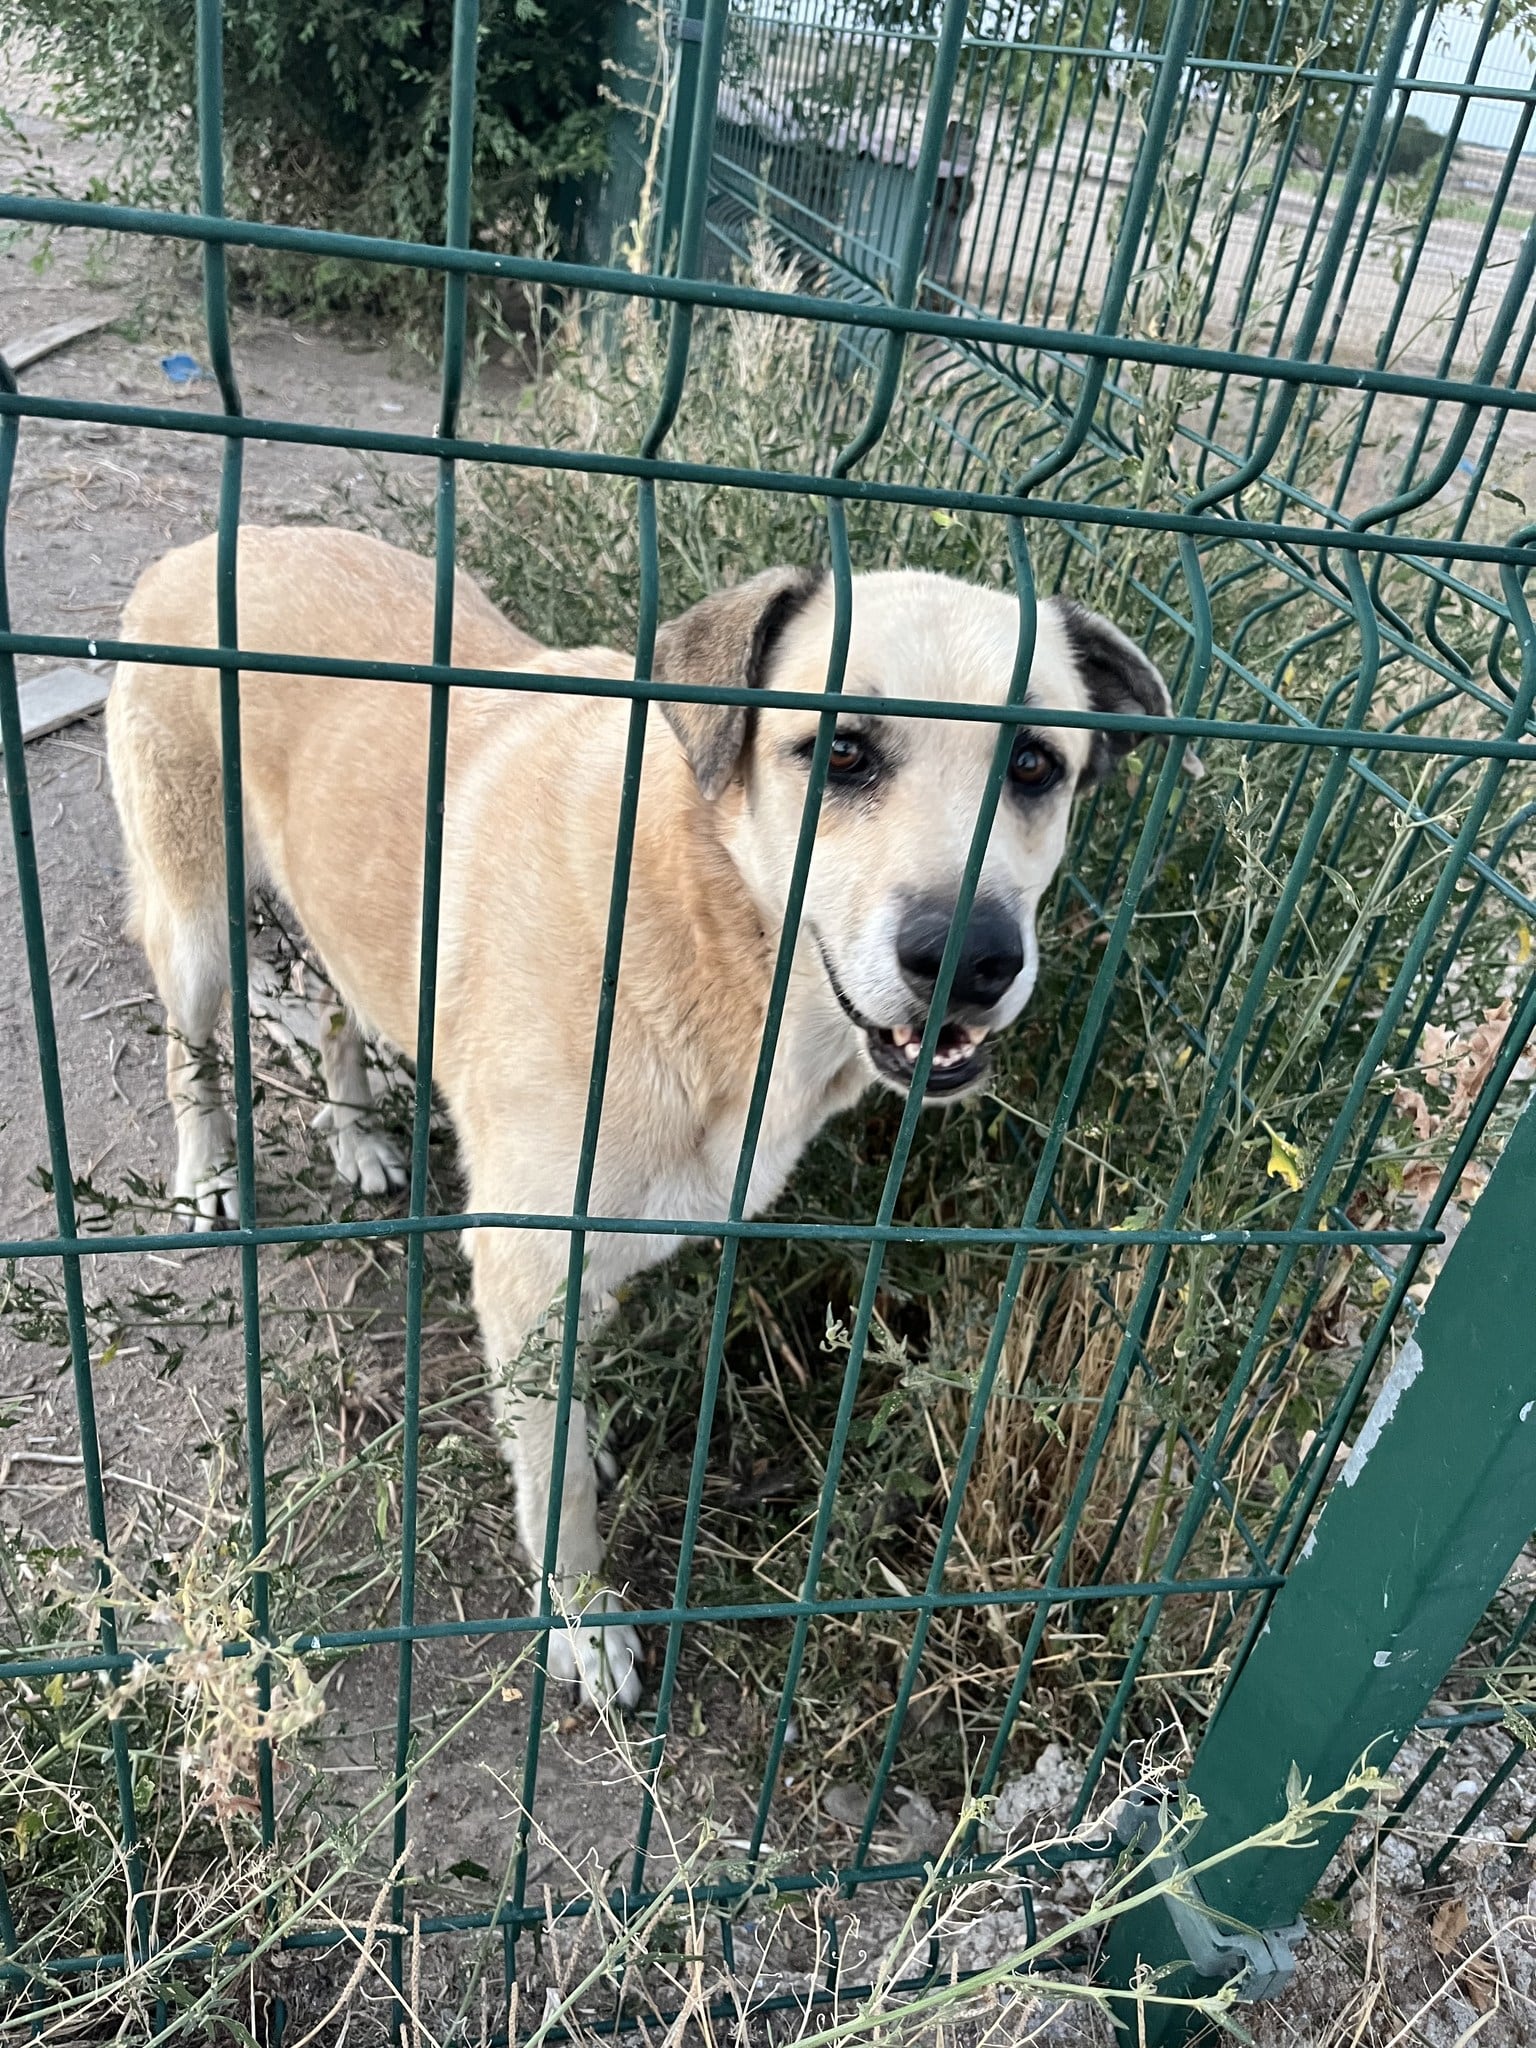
point(1415, 145)
point(336, 114)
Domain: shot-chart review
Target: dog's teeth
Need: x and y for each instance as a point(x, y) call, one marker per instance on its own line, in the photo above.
point(955, 1046)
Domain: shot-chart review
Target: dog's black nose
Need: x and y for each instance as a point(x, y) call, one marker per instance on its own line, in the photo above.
point(991, 954)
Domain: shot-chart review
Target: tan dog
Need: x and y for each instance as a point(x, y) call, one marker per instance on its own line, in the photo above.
point(334, 804)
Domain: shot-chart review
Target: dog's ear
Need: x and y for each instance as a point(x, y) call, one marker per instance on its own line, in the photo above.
point(1116, 676)
point(726, 640)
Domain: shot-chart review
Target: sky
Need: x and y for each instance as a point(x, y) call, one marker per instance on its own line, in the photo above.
point(1509, 60)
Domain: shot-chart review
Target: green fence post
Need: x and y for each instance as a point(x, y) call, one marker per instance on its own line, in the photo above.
point(1416, 1537)
point(210, 144)
point(685, 92)
point(456, 235)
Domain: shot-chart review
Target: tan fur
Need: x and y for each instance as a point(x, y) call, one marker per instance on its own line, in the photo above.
point(334, 805)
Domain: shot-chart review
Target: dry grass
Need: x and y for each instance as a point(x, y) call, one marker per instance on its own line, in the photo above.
point(201, 1880)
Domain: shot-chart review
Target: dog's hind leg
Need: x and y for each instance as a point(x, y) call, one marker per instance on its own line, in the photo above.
point(192, 975)
point(167, 784)
point(365, 1155)
point(303, 1010)
point(186, 954)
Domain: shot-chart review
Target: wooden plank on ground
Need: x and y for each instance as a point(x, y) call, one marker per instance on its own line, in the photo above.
point(31, 348)
point(59, 698)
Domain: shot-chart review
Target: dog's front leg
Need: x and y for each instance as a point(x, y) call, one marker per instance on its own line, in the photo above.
point(604, 1659)
point(523, 1354)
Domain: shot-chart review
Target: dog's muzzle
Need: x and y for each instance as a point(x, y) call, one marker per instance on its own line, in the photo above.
point(961, 1058)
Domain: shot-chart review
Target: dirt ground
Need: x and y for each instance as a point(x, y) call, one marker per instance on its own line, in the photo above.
point(92, 506)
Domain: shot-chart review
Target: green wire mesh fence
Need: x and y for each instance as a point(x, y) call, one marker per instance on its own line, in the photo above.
point(1150, 304)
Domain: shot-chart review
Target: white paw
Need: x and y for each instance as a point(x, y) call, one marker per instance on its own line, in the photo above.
point(207, 1201)
point(203, 1193)
point(366, 1157)
point(605, 1662)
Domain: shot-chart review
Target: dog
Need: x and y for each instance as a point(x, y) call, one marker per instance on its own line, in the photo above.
point(334, 775)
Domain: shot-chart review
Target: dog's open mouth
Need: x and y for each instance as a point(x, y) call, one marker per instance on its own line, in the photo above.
point(960, 1058)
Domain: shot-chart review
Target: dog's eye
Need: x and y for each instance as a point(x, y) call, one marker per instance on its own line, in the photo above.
point(854, 760)
point(1031, 767)
point(849, 755)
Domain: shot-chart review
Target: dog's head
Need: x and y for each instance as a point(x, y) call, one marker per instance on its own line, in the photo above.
point(902, 794)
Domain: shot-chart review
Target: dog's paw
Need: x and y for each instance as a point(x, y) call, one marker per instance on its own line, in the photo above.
point(605, 1662)
point(366, 1157)
point(207, 1201)
point(203, 1193)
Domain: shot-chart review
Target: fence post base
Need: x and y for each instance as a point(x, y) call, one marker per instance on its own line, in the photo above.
point(1417, 1535)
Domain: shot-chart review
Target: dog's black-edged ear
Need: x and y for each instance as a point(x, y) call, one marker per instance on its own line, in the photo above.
point(726, 640)
point(1116, 676)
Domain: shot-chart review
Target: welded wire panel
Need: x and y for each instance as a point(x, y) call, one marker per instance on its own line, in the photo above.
point(982, 1454)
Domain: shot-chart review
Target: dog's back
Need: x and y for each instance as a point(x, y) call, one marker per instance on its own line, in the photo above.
point(334, 767)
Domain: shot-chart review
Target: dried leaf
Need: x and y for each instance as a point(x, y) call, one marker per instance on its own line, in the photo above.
point(891, 1579)
point(1486, 1041)
point(1435, 1047)
point(1411, 1102)
point(1447, 1927)
point(1480, 1981)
